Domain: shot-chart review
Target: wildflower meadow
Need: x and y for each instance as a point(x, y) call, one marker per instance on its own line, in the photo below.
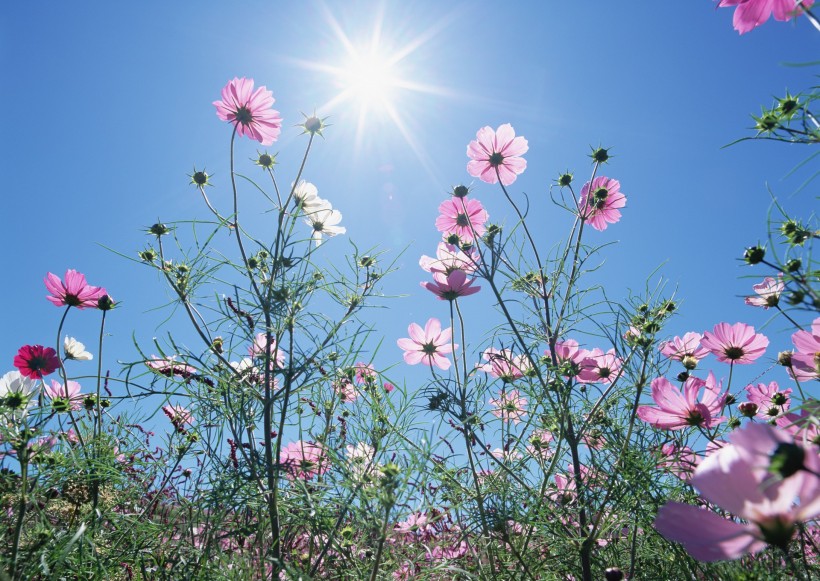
point(306, 378)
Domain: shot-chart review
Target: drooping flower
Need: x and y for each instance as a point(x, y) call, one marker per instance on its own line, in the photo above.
point(428, 345)
point(249, 111)
point(748, 480)
point(497, 154)
point(676, 410)
point(35, 361)
point(449, 258)
point(504, 365)
point(736, 343)
point(324, 220)
point(750, 14)
point(64, 397)
point(16, 395)
point(451, 286)
point(74, 292)
point(463, 218)
point(303, 459)
point(509, 406)
point(599, 202)
point(687, 350)
point(75, 350)
point(806, 362)
point(768, 292)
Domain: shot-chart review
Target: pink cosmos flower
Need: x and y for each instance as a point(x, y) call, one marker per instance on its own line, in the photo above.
point(415, 523)
point(365, 373)
point(750, 14)
point(509, 406)
point(803, 425)
point(739, 479)
point(679, 461)
point(169, 366)
point(768, 292)
point(677, 410)
point(504, 365)
point(770, 401)
point(570, 357)
point(539, 444)
point(599, 202)
point(736, 343)
point(449, 258)
point(249, 111)
point(179, 416)
point(600, 367)
point(346, 390)
point(74, 292)
point(64, 397)
point(427, 346)
point(35, 361)
point(497, 153)
point(806, 362)
point(463, 218)
point(451, 286)
point(259, 348)
point(687, 350)
point(303, 459)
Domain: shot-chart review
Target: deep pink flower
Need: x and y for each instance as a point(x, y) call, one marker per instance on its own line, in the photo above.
point(687, 350)
point(750, 14)
point(451, 286)
point(806, 362)
point(35, 361)
point(74, 292)
point(497, 153)
point(504, 365)
point(599, 202)
point(249, 111)
point(600, 367)
point(509, 406)
point(64, 397)
point(463, 218)
point(736, 343)
point(449, 258)
point(768, 292)
point(676, 410)
point(303, 459)
point(427, 346)
point(740, 479)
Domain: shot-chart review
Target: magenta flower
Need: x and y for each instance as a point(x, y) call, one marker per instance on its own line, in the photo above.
point(687, 350)
point(35, 361)
point(64, 397)
point(497, 153)
point(249, 111)
point(677, 410)
point(747, 480)
point(427, 346)
point(74, 292)
point(449, 258)
point(303, 459)
point(509, 406)
point(451, 286)
point(750, 14)
point(806, 362)
point(768, 292)
point(599, 202)
point(736, 343)
point(463, 218)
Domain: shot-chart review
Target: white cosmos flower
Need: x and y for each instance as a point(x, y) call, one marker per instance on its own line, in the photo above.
point(16, 395)
point(324, 220)
point(306, 194)
point(76, 350)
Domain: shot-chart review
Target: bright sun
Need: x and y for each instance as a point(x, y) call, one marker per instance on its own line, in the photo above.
point(369, 79)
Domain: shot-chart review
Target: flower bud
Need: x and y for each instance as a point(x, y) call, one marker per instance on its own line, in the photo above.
point(200, 179)
point(105, 303)
point(784, 358)
point(794, 265)
point(795, 297)
point(613, 574)
point(460, 191)
point(754, 254)
point(565, 179)
point(683, 376)
point(266, 160)
point(734, 423)
point(600, 155)
point(748, 409)
point(159, 229)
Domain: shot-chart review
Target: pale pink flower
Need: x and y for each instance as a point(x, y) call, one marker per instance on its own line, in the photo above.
point(679, 461)
point(768, 292)
point(451, 286)
point(365, 372)
point(303, 459)
point(750, 14)
point(739, 478)
point(64, 397)
point(258, 349)
point(806, 362)
point(677, 410)
point(509, 406)
point(428, 345)
point(570, 357)
point(497, 153)
point(506, 455)
point(504, 365)
point(770, 401)
point(803, 425)
point(600, 367)
point(415, 523)
point(449, 258)
point(346, 390)
point(687, 350)
point(736, 343)
point(74, 292)
point(249, 111)
point(600, 201)
point(169, 366)
point(179, 416)
point(462, 217)
point(539, 444)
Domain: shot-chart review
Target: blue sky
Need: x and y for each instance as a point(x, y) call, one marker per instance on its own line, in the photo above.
point(107, 108)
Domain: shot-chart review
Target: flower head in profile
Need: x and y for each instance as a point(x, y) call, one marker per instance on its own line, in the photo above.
point(324, 220)
point(74, 292)
point(64, 397)
point(677, 410)
point(569, 356)
point(736, 343)
point(768, 292)
point(449, 258)
point(306, 196)
point(462, 217)
point(600, 202)
point(750, 14)
point(75, 350)
point(451, 286)
point(495, 154)
point(600, 367)
point(35, 361)
point(428, 345)
point(249, 111)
